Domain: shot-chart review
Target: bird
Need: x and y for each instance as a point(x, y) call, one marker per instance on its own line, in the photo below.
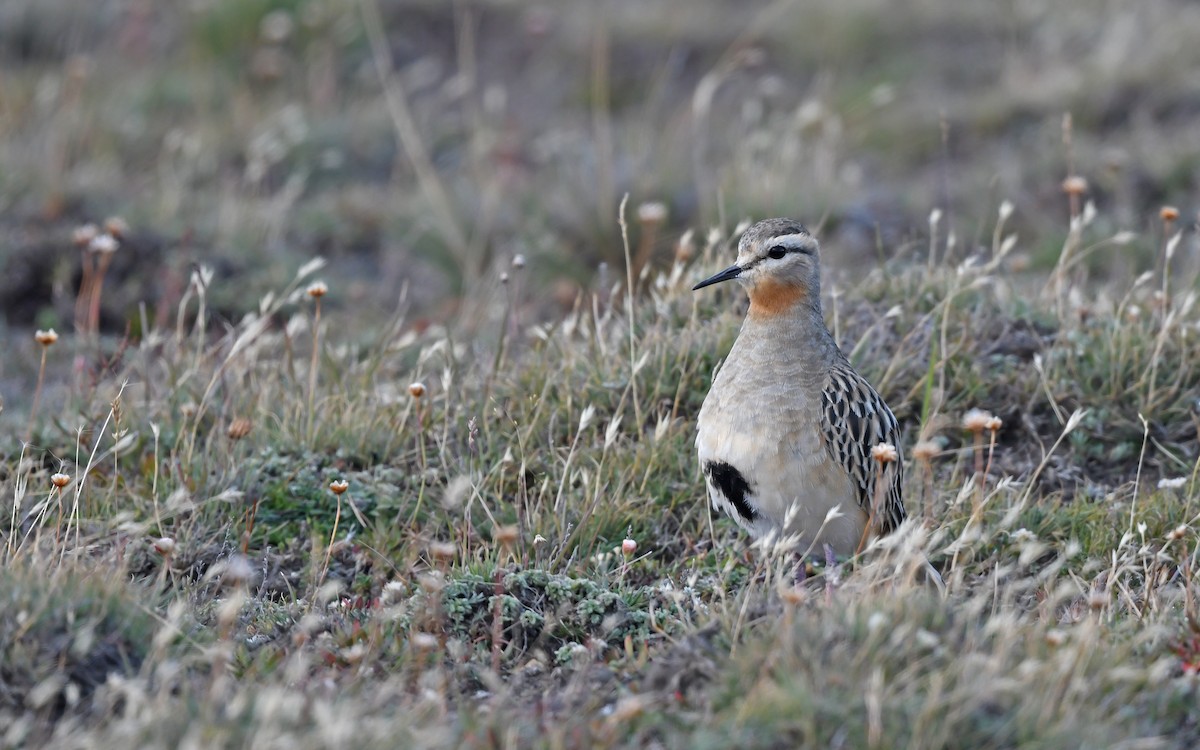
point(789, 429)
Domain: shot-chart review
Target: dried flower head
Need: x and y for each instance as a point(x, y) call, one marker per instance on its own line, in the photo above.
point(276, 26)
point(239, 428)
point(794, 595)
point(338, 486)
point(188, 409)
point(518, 261)
point(237, 569)
point(117, 227)
point(685, 249)
point(416, 390)
point(885, 453)
point(45, 338)
point(926, 450)
point(423, 641)
point(628, 547)
point(104, 243)
point(442, 551)
point(84, 234)
point(507, 535)
point(976, 420)
point(1168, 213)
point(652, 212)
point(164, 546)
point(1178, 532)
point(60, 480)
point(993, 424)
point(1075, 185)
point(317, 289)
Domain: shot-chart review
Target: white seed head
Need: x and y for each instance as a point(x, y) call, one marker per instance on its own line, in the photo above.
point(116, 226)
point(628, 547)
point(653, 212)
point(46, 338)
point(84, 234)
point(885, 453)
point(1075, 185)
point(416, 390)
point(338, 486)
point(976, 420)
point(442, 551)
point(926, 450)
point(164, 546)
point(104, 244)
point(60, 480)
point(317, 289)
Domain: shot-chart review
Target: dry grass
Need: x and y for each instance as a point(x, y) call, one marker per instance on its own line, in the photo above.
point(520, 554)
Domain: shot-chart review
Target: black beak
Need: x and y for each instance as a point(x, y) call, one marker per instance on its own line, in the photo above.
point(729, 273)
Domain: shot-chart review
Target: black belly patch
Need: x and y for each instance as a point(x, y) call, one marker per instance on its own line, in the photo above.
point(732, 485)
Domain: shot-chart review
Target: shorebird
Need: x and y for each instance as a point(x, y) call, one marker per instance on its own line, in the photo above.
point(789, 430)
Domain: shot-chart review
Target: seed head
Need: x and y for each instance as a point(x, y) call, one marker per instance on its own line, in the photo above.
point(60, 480)
point(442, 551)
point(423, 641)
point(338, 486)
point(45, 338)
point(416, 390)
point(239, 428)
point(317, 289)
point(652, 213)
point(1075, 185)
point(1168, 213)
point(1178, 532)
point(628, 547)
point(793, 595)
point(507, 535)
point(976, 420)
point(993, 424)
point(117, 227)
point(164, 546)
point(105, 244)
point(685, 250)
point(926, 450)
point(518, 261)
point(885, 453)
point(84, 234)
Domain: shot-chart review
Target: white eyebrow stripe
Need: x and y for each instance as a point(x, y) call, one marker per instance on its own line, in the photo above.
point(802, 242)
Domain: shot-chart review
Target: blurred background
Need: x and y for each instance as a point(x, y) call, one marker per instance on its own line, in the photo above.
point(421, 146)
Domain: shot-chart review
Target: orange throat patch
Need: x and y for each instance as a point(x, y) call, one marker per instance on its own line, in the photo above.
point(770, 298)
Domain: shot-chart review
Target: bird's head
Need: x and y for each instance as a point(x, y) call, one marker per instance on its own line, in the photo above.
point(779, 265)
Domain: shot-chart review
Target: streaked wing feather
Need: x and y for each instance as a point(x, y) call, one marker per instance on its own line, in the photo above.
point(853, 421)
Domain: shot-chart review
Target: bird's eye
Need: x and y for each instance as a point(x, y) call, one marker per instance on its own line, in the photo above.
point(777, 252)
